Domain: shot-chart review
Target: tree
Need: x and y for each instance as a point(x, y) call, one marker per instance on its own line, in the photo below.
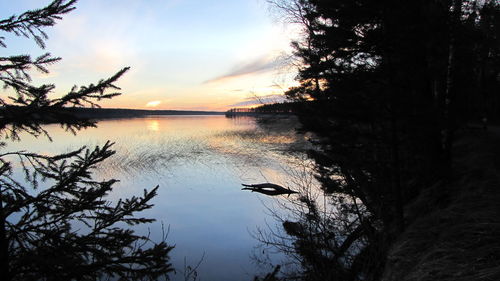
point(383, 85)
point(57, 224)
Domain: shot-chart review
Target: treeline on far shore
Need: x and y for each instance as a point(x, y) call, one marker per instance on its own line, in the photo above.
point(275, 108)
point(102, 113)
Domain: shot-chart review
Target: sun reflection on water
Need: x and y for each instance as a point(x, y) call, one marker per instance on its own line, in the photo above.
point(153, 125)
point(199, 162)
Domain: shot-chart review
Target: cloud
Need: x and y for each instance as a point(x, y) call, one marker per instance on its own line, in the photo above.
point(262, 64)
point(154, 103)
point(260, 100)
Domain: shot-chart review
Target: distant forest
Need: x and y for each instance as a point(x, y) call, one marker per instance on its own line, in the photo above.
point(274, 108)
point(121, 112)
point(13, 113)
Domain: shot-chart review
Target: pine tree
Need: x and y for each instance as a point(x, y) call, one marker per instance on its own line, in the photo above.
point(383, 85)
point(57, 223)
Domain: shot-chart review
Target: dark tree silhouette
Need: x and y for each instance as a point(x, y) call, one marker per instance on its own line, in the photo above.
point(384, 85)
point(57, 224)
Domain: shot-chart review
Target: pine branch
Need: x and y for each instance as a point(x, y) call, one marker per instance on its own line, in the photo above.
point(42, 242)
point(30, 23)
point(86, 95)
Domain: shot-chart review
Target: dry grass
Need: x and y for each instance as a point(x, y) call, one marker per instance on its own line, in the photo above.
point(456, 231)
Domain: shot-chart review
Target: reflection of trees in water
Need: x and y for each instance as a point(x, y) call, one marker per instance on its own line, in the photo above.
point(319, 233)
point(273, 138)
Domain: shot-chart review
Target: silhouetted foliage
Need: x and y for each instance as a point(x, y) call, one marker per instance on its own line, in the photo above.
point(57, 224)
point(273, 108)
point(384, 86)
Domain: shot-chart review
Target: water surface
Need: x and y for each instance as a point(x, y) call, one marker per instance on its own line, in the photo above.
point(199, 162)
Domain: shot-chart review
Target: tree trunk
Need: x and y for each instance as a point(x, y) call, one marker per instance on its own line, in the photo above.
point(448, 114)
point(396, 176)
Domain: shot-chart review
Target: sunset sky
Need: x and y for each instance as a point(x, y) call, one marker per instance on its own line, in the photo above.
point(183, 54)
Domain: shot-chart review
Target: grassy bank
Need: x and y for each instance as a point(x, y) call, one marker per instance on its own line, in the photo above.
point(454, 229)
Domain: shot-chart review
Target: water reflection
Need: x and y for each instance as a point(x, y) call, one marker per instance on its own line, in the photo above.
point(199, 163)
point(154, 125)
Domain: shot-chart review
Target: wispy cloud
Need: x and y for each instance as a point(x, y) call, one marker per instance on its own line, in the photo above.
point(261, 64)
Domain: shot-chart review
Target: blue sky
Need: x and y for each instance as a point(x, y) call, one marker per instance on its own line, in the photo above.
point(184, 54)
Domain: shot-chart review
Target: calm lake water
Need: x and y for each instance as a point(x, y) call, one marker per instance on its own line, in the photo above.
point(199, 162)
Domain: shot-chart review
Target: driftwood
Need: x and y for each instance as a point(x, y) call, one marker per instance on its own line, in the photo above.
point(270, 189)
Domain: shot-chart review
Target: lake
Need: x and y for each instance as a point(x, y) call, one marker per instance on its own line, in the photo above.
point(199, 162)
